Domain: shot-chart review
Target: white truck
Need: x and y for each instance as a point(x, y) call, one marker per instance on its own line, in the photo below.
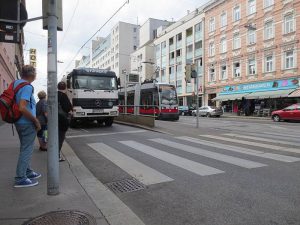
point(94, 95)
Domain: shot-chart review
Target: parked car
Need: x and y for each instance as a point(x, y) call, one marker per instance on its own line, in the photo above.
point(185, 110)
point(289, 113)
point(208, 111)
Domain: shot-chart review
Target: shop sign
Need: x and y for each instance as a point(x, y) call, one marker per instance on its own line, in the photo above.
point(262, 86)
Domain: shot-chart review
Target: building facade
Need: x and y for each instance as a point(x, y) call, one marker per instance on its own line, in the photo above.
point(143, 60)
point(113, 52)
point(251, 53)
point(175, 47)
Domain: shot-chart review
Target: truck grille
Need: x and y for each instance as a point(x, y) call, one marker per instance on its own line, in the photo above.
point(95, 103)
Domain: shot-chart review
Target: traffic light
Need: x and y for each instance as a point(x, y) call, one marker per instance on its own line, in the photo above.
point(188, 73)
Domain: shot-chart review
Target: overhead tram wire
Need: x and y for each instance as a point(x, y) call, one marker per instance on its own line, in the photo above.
point(110, 18)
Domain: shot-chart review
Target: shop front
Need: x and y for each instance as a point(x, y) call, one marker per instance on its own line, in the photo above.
point(260, 98)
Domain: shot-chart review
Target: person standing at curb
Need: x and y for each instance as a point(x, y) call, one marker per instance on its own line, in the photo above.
point(64, 108)
point(41, 114)
point(27, 127)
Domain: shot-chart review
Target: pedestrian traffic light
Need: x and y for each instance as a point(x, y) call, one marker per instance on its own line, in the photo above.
point(188, 73)
point(58, 13)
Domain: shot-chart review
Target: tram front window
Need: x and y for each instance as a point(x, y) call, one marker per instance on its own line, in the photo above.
point(168, 95)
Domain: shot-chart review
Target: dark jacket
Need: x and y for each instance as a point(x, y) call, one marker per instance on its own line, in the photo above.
point(67, 107)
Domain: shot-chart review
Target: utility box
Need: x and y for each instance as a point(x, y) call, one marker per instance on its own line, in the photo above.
point(59, 11)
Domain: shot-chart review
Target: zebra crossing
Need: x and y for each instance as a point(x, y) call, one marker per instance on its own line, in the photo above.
point(205, 146)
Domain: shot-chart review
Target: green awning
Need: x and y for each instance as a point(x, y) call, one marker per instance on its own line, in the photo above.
point(230, 97)
point(270, 94)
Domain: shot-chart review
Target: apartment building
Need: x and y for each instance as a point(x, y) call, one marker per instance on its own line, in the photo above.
point(252, 53)
point(178, 45)
point(113, 52)
point(143, 60)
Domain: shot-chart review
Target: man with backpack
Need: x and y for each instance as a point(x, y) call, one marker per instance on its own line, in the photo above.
point(18, 106)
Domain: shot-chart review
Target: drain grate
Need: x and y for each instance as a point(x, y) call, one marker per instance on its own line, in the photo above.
point(67, 217)
point(126, 186)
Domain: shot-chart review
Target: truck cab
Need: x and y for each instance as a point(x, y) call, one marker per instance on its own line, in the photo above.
point(94, 95)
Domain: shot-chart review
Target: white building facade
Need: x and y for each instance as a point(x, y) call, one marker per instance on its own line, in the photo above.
point(143, 60)
point(113, 52)
point(176, 46)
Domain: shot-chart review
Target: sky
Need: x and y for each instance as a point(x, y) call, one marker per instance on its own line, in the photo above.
point(82, 18)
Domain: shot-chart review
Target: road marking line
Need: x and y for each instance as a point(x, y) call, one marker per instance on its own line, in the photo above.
point(277, 157)
point(271, 147)
point(84, 130)
point(175, 160)
point(212, 155)
point(113, 209)
point(141, 172)
point(106, 134)
point(275, 141)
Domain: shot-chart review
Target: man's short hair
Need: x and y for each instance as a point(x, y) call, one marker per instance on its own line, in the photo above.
point(42, 95)
point(28, 71)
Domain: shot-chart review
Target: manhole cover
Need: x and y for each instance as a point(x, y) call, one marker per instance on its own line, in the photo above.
point(125, 186)
point(67, 217)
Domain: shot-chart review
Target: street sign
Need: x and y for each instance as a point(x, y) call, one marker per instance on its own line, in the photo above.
point(8, 33)
point(133, 78)
point(32, 57)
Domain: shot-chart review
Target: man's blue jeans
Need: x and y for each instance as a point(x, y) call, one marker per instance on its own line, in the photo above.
point(27, 135)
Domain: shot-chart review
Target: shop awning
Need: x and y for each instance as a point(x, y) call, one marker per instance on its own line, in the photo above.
point(230, 97)
point(269, 94)
point(294, 94)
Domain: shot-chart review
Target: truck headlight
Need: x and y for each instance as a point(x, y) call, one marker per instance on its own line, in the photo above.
point(110, 104)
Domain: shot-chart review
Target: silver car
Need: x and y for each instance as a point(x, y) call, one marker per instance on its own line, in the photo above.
point(208, 111)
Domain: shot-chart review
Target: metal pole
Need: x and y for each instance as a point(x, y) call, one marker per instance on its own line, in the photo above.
point(197, 93)
point(52, 163)
point(125, 91)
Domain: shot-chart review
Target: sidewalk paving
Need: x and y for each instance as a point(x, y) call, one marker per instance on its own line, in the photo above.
point(22, 204)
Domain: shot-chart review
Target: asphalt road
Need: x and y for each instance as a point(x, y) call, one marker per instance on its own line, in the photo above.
point(227, 172)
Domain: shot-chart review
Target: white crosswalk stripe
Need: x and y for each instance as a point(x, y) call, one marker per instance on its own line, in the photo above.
point(274, 141)
point(267, 146)
point(283, 134)
point(213, 155)
point(261, 154)
point(141, 172)
point(183, 163)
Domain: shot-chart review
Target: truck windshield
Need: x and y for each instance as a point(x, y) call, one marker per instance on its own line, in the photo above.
point(168, 94)
point(95, 82)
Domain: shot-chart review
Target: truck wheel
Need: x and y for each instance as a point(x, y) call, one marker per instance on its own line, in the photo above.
point(109, 122)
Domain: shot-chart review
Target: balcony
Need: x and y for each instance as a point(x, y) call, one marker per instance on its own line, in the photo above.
point(189, 55)
point(179, 44)
point(198, 36)
point(198, 52)
point(178, 59)
point(172, 48)
point(172, 61)
point(189, 40)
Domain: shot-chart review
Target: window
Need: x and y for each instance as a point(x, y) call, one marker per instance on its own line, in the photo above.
point(198, 27)
point(236, 13)
point(289, 23)
point(223, 71)
point(269, 63)
point(236, 41)
point(251, 67)
point(212, 25)
point(212, 73)
point(268, 3)
point(236, 69)
point(223, 19)
point(134, 29)
point(211, 49)
point(223, 45)
point(251, 37)
point(269, 32)
point(289, 59)
point(251, 6)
